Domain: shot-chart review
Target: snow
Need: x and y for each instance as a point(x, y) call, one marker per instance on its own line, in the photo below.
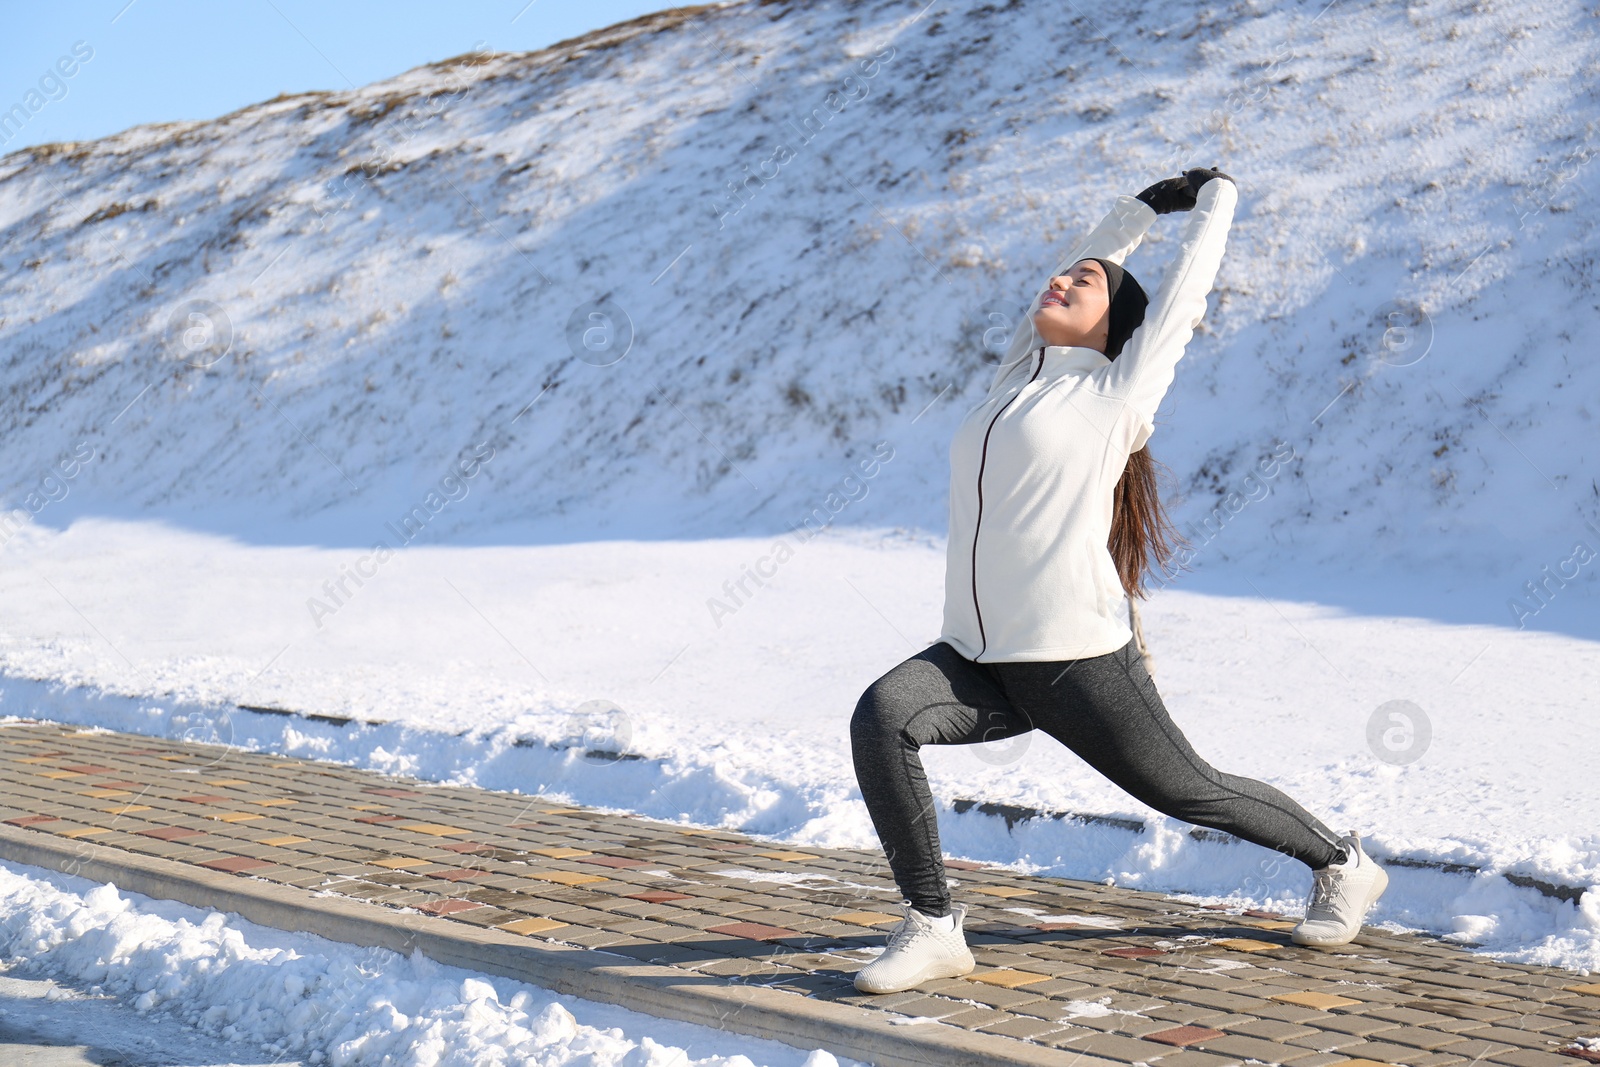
point(397, 471)
point(300, 999)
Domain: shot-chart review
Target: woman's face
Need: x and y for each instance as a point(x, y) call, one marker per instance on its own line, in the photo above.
point(1075, 310)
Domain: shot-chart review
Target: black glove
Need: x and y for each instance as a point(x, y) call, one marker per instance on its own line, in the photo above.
point(1168, 195)
point(1178, 194)
point(1198, 176)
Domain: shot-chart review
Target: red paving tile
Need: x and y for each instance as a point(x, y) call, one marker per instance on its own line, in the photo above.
point(235, 864)
point(1590, 1054)
point(31, 820)
point(1184, 1036)
point(465, 846)
point(380, 818)
point(965, 865)
point(658, 896)
point(90, 768)
point(754, 931)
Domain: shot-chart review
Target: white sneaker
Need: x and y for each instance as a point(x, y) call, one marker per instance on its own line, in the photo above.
point(1340, 897)
point(918, 951)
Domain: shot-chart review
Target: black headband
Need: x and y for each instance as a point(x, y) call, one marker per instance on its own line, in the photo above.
point(1128, 302)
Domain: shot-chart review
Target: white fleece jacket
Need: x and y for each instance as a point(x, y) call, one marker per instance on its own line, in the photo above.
point(1029, 574)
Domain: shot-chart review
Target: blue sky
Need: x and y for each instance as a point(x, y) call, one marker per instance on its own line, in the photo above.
point(167, 60)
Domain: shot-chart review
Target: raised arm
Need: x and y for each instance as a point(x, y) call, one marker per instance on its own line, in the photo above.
point(1144, 370)
point(1114, 239)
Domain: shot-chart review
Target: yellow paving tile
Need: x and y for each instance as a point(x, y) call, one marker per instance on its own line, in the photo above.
point(433, 828)
point(568, 877)
point(89, 831)
point(60, 774)
point(282, 841)
point(867, 918)
point(560, 853)
point(1267, 924)
point(281, 766)
point(395, 863)
point(101, 794)
point(1245, 944)
point(174, 756)
point(1005, 976)
point(1320, 1001)
point(1004, 891)
point(227, 781)
point(531, 926)
point(275, 802)
point(38, 759)
point(693, 831)
point(787, 855)
point(1593, 989)
point(126, 809)
point(235, 816)
point(556, 811)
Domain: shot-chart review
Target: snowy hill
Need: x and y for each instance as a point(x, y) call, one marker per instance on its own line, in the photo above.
point(399, 268)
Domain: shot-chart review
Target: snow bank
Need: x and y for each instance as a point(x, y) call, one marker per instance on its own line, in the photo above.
point(300, 996)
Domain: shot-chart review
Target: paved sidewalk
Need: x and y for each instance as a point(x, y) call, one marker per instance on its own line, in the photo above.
point(719, 919)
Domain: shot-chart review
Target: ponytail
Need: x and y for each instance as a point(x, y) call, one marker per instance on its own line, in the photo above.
point(1141, 533)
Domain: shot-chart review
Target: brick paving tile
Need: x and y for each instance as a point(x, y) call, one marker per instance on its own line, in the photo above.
point(1325, 1041)
point(1192, 1057)
point(1386, 1052)
point(1020, 1026)
point(1423, 1038)
point(1275, 1030)
point(1359, 1025)
point(1516, 1037)
point(1523, 1057)
point(1127, 1025)
point(1117, 1047)
point(589, 937)
point(1000, 997)
point(972, 1018)
point(917, 1004)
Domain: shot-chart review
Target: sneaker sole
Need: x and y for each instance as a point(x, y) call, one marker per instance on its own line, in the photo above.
point(951, 970)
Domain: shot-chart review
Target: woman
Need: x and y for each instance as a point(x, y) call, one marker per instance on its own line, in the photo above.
point(1054, 517)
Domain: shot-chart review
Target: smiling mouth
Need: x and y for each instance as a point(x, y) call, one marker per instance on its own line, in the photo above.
point(1052, 298)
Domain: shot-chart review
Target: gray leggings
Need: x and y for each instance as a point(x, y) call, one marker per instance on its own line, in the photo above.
point(1104, 708)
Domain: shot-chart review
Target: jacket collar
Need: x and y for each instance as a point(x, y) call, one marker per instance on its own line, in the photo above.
point(1071, 359)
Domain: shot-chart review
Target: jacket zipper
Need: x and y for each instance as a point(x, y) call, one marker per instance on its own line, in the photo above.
point(983, 461)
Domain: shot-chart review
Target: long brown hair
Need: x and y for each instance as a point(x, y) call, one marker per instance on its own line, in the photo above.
point(1141, 533)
